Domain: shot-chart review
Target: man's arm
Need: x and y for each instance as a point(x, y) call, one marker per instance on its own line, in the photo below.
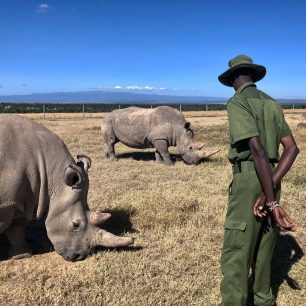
point(262, 166)
point(287, 159)
point(267, 181)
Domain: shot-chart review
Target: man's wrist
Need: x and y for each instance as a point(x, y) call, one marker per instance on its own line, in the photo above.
point(272, 205)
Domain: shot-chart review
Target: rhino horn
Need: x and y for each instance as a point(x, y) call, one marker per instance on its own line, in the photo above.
point(199, 145)
point(96, 218)
point(206, 154)
point(106, 239)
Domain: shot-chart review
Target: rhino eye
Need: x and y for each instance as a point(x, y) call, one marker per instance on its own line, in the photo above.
point(76, 225)
point(190, 148)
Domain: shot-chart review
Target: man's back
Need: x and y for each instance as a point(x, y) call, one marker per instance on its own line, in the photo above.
point(251, 113)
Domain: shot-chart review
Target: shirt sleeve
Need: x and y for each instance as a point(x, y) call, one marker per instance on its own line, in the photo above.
point(286, 131)
point(242, 124)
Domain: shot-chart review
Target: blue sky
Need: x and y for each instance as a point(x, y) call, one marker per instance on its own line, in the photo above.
point(162, 46)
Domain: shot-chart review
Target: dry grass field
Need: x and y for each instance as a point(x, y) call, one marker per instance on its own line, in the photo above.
point(176, 216)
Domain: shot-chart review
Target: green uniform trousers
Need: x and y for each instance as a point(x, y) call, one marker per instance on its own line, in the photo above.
point(248, 243)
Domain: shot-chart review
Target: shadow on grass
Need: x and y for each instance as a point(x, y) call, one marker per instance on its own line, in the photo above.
point(120, 221)
point(138, 155)
point(287, 252)
point(150, 156)
point(36, 237)
point(118, 224)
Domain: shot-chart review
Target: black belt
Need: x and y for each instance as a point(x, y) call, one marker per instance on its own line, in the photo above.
point(249, 164)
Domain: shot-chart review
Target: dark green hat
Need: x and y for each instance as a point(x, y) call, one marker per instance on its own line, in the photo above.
point(238, 62)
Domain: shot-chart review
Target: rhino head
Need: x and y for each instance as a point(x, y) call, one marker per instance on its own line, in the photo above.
point(71, 226)
point(195, 155)
point(191, 152)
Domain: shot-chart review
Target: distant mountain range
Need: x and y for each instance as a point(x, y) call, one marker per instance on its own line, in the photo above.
point(111, 97)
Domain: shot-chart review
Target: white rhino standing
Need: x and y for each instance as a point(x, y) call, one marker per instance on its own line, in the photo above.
point(159, 127)
point(39, 178)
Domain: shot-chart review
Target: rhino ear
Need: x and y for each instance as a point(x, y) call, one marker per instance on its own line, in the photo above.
point(187, 125)
point(73, 177)
point(84, 162)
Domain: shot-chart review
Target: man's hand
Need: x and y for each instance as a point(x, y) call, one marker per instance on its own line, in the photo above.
point(260, 208)
point(282, 219)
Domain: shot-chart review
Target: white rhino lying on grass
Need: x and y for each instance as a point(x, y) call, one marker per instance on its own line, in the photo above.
point(159, 127)
point(39, 178)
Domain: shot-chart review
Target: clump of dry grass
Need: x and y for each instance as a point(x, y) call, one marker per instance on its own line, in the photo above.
point(176, 215)
point(301, 125)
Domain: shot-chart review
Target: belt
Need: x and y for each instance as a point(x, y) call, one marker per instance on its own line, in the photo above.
point(247, 164)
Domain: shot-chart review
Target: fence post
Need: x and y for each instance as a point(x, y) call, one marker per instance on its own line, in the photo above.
point(180, 107)
point(119, 106)
point(207, 107)
point(83, 110)
point(44, 111)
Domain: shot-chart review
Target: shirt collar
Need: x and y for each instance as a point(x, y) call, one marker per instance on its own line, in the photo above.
point(245, 85)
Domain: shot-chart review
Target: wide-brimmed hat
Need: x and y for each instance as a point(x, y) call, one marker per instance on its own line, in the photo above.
point(238, 62)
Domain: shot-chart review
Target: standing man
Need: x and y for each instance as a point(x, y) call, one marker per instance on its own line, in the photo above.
point(257, 128)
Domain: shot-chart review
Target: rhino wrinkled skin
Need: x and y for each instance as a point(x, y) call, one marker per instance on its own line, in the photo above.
point(40, 179)
point(159, 127)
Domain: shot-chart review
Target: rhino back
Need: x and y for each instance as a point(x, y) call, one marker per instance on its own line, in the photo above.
point(29, 154)
point(131, 126)
point(138, 127)
point(168, 115)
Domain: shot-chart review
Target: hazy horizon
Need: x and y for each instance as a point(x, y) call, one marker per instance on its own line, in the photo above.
point(124, 97)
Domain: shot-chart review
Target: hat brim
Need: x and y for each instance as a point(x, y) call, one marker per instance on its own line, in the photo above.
point(258, 73)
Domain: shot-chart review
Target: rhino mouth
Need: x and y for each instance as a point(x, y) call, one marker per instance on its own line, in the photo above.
point(72, 255)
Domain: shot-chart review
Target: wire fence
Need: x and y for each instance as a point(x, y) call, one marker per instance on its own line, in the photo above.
point(26, 108)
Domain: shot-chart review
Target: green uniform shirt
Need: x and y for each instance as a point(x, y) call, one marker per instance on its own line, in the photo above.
point(251, 113)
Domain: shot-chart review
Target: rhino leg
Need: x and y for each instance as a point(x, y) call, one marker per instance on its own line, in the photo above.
point(110, 151)
point(16, 235)
point(110, 141)
point(158, 158)
point(6, 217)
point(161, 147)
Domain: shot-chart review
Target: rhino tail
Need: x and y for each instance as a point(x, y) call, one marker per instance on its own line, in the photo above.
point(107, 129)
point(103, 128)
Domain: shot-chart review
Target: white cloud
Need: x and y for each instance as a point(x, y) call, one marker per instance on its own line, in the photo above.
point(147, 88)
point(134, 87)
point(43, 8)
